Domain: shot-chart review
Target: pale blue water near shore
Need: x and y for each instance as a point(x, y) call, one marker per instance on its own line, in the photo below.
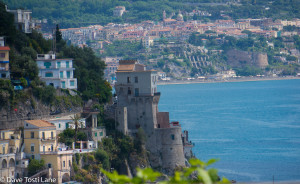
point(252, 127)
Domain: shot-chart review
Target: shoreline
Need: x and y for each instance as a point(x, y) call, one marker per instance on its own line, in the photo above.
point(240, 79)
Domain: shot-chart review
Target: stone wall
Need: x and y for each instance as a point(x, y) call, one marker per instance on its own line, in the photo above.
point(237, 58)
point(171, 148)
point(14, 117)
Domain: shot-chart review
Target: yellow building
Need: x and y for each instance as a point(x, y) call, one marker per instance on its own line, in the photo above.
point(41, 143)
point(10, 143)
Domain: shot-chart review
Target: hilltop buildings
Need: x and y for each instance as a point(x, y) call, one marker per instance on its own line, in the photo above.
point(23, 20)
point(118, 11)
point(56, 72)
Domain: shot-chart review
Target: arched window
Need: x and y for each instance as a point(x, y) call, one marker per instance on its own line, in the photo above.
point(4, 163)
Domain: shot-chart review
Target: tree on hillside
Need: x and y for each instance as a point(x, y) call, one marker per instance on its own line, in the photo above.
point(58, 34)
point(76, 119)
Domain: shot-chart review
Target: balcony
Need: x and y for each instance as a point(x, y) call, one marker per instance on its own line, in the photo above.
point(3, 69)
point(12, 142)
point(146, 94)
point(48, 139)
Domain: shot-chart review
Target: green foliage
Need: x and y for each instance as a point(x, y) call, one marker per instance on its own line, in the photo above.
point(7, 26)
point(89, 73)
point(248, 71)
point(291, 58)
point(35, 166)
point(103, 157)
point(7, 93)
point(69, 13)
point(44, 93)
point(123, 48)
point(67, 136)
point(58, 34)
point(140, 140)
point(199, 170)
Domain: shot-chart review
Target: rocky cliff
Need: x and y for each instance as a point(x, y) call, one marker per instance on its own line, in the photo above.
point(238, 58)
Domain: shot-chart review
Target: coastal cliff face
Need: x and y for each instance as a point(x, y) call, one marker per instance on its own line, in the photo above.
point(31, 108)
point(237, 58)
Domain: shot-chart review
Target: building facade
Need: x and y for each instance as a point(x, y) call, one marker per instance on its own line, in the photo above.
point(10, 154)
point(23, 20)
point(4, 60)
point(56, 72)
point(40, 142)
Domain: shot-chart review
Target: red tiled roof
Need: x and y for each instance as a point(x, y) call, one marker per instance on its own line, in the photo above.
point(4, 48)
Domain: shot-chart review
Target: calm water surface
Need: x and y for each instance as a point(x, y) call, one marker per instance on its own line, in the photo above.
point(252, 127)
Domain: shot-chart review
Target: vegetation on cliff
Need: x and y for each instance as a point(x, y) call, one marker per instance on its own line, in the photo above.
point(196, 173)
point(24, 71)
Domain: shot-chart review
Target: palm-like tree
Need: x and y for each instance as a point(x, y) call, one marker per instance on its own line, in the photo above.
point(76, 119)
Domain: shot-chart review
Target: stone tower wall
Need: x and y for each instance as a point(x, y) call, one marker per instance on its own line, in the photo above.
point(171, 148)
point(238, 58)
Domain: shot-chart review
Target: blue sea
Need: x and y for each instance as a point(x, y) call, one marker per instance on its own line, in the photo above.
point(252, 127)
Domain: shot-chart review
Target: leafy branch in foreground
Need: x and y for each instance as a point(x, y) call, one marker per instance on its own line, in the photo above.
point(197, 173)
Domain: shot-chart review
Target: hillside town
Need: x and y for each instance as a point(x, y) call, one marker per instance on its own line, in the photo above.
point(176, 32)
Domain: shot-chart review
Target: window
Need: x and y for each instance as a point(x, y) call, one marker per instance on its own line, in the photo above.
point(61, 75)
point(68, 74)
point(95, 134)
point(101, 133)
point(17, 162)
point(172, 136)
point(129, 91)
point(69, 163)
point(64, 163)
point(128, 79)
point(51, 135)
point(67, 125)
point(44, 148)
point(43, 135)
point(32, 134)
point(67, 64)
point(49, 165)
point(49, 74)
point(63, 84)
point(32, 149)
point(136, 91)
point(58, 64)
point(3, 149)
point(32, 156)
point(51, 147)
point(59, 125)
point(2, 55)
point(47, 64)
point(136, 79)
point(72, 83)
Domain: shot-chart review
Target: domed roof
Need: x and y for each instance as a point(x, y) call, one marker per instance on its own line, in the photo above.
point(179, 16)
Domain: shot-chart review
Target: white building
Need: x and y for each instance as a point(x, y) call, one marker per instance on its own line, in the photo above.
point(147, 42)
point(119, 10)
point(64, 122)
point(56, 72)
point(23, 20)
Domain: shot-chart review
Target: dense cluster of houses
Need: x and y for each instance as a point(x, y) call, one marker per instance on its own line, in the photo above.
point(170, 27)
point(39, 140)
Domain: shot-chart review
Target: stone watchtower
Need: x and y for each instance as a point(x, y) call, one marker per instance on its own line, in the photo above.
point(137, 107)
